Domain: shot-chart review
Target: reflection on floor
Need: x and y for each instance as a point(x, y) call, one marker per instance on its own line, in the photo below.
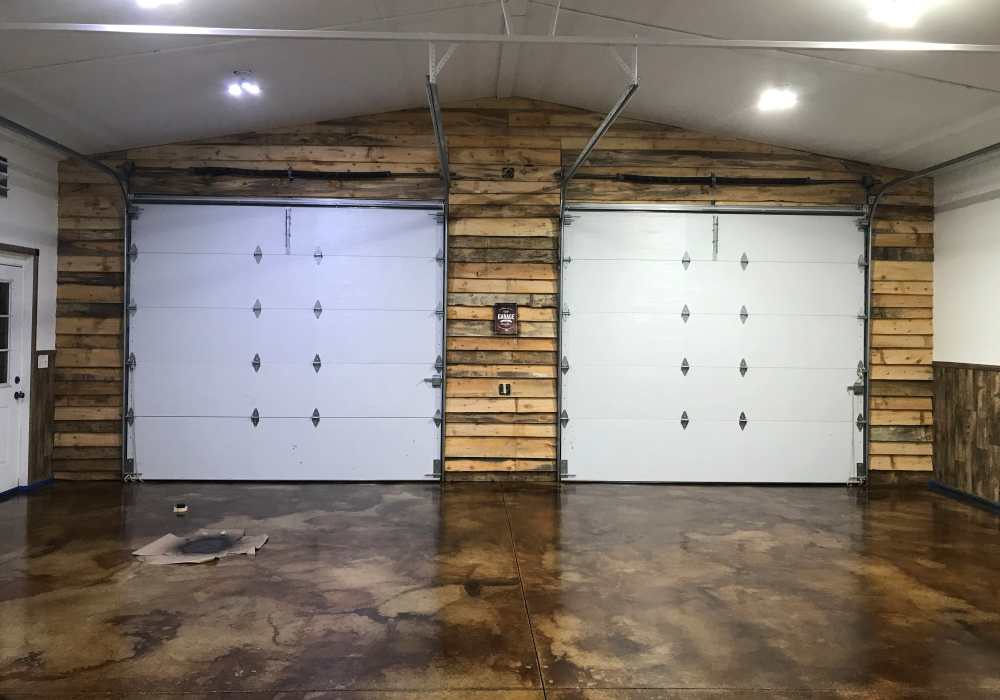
point(411, 592)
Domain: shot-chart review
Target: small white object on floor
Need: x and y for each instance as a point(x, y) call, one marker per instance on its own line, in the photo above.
point(169, 549)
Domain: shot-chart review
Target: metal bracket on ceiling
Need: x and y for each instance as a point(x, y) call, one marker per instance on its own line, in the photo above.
point(631, 71)
point(437, 66)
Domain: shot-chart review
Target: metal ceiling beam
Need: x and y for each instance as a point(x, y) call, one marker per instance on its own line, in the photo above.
point(438, 124)
point(599, 134)
point(470, 38)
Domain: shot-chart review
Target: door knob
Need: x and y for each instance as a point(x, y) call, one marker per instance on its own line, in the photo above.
point(18, 394)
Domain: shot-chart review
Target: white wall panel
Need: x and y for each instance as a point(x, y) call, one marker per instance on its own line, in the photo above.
point(625, 340)
point(195, 335)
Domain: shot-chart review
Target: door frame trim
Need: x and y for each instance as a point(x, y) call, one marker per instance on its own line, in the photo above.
point(134, 200)
point(33, 255)
point(661, 208)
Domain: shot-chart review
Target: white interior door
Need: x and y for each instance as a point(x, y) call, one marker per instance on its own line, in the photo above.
point(15, 347)
point(277, 343)
point(711, 348)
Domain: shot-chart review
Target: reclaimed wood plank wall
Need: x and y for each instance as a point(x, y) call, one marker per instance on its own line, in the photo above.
point(967, 438)
point(503, 247)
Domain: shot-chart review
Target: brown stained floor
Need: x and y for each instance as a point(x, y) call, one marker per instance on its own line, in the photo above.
point(411, 592)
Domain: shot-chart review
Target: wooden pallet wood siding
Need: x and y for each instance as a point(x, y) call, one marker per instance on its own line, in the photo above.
point(967, 439)
point(503, 247)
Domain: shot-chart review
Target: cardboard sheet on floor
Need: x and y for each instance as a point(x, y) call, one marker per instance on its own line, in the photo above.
point(171, 549)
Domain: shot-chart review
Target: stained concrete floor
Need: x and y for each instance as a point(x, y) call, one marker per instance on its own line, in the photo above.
point(483, 592)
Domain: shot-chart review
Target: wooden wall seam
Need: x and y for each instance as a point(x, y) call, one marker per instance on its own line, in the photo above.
point(503, 246)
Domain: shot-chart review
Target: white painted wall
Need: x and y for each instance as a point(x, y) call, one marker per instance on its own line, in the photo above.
point(29, 218)
point(967, 265)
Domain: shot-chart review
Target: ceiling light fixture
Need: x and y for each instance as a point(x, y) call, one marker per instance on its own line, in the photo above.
point(777, 98)
point(244, 83)
point(897, 13)
point(153, 4)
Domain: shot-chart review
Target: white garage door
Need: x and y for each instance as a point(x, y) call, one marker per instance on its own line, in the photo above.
point(712, 348)
point(275, 343)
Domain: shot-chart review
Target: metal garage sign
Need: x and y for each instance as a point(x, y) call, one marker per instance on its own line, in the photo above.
point(505, 319)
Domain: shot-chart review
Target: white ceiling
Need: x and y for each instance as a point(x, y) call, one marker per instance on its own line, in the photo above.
point(101, 92)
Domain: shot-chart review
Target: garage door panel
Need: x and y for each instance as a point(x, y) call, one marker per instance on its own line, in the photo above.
point(605, 236)
point(351, 337)
point(788, 238)
point(215, 229)
point(352, 232)
point(802, 341)
point(230, 281)
point(235, 390)
point(285, 449)
point(708, 451)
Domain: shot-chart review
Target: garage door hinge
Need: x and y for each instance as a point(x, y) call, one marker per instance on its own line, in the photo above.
point(564, 470)
point(862, 370)
point(258, 255)
point(256, 308)
point(567, 260)
point(133, 253)
point(686, 261)
point(130, 362)
point(861, 422)
point(439, 364)
point(438, 418)
point(440, 255)
point(685, 313)
point(744, 315)
point(318, 309)
point(317, 364)
point(132, 307)
point(743, 421)
point(438, 216)
point(564, 365)
point(862, 263)
point(685, 367)
point(743, 367)
point(565, 311)
point(439, 311)
point(318, 255)
point(256, 363)
point(567, 219)
point(315, 417)
point(744, 261)
point(255, 417)
point(436, 474)
point(564, 418)
point(685, 421)
point(862, 316)
point(130, 417)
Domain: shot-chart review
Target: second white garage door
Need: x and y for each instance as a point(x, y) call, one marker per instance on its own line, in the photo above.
point(712, 348)
point(285, 343)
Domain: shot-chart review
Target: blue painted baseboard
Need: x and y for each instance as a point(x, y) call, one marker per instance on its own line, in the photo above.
point(25, 489)
point(962, 495)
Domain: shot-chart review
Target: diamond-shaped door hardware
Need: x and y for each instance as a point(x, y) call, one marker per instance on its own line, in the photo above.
point(743, 421)
point(318, 255)
point(439, 310)
point(744, 261)
point(132, 307)
point(743, 368)
point(685, 367)
point(861, 368)
point(685, 420)
point(439, 364)
point(258, 255)
point(564, 365)
point(130, 416)
point(318, 309)
point(685, 313)
point(317, 363)
point(686, 261)
point(133, 253)
point(315, 417)
point(255, 417)
point(440, 255)
point(564, 418)
point(744, 315)
point(861, 422)
point(862, 263)
point(565, 311)
point(130, 362)
point(256, 363)
point(256, 308)
point(438, 418)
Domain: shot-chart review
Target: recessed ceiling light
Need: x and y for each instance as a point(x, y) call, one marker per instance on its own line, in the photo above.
point(777, 98)
point(244, 83)
point(153, 4)
point(897, 13)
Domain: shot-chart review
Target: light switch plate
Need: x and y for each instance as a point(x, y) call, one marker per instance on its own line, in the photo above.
point(43, 362)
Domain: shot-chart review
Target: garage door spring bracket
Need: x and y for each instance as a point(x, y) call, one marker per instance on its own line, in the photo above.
point(318, 309)
point(744, 261)
point(317, 363)
point(685, 313)
point(255, 417)
point(315, 417)
point(318, 255)
point(685, 367)
point(256, 308)
point(744, 315)
point(564, 418)
point(256, 363)
point(685, 420)
point(258, 255)
point(743, 421)
point(686, 261)
point(743, 367)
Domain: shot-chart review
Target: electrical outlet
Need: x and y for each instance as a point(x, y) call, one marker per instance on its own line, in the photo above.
point(505, 390)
